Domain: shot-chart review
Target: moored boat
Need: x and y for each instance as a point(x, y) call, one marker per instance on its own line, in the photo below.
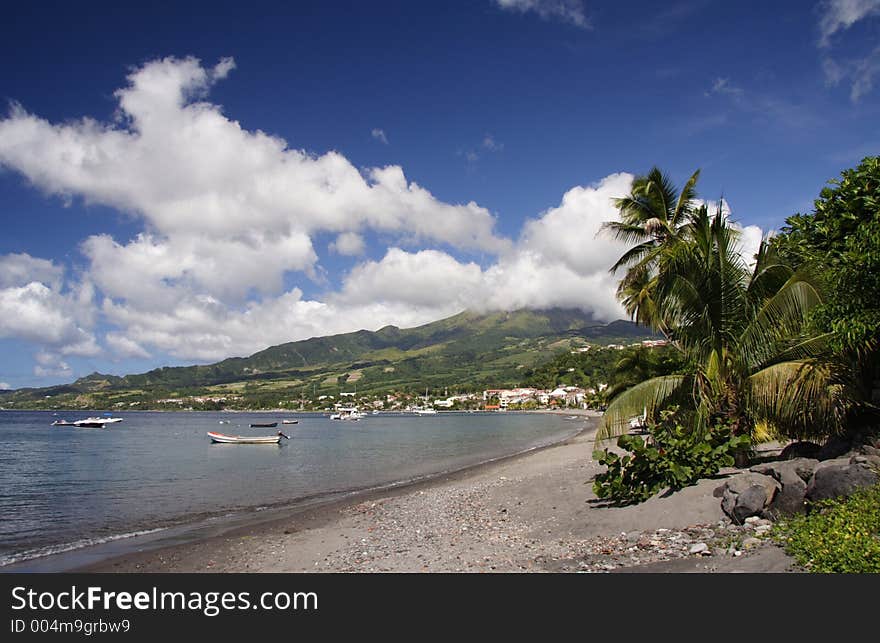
point(289, 421)
point(96, 422)
point(348, 413)
point(221, 438)
point(266, 425)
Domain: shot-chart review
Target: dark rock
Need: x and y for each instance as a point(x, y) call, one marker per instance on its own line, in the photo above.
point(747, 494)
point(840, 480)
point(791, 499)
point(801, 467)
point(871, 460)
point(835, 447)
point(750, 502)
point(800, 450)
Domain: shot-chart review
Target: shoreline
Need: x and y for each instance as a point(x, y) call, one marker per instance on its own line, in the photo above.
point(530, 511)
point(221, 526)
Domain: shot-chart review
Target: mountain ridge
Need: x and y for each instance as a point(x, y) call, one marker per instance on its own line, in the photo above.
point(469, 349)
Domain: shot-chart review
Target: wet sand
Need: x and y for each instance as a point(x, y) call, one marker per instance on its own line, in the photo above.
point(528, 513)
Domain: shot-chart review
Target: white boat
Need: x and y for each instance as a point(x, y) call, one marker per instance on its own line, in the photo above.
point(289, 421)
point(221, 438)
point(348, 413)
point(96, 422)
point(425, 410)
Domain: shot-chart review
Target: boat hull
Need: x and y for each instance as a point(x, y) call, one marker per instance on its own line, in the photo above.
point(220, 438)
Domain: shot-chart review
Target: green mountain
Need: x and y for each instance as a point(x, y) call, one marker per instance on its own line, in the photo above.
point(465, 352)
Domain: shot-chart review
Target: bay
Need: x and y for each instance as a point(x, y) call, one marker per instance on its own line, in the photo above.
point(63, 488)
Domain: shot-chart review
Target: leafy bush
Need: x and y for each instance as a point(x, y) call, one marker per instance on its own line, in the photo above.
point(672, 457)
point(839, 536)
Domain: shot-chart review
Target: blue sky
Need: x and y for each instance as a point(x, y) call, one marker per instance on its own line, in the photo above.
point(181, 182)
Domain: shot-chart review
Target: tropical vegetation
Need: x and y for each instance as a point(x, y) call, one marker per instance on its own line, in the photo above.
point(739, 324)
point(673, 458)
point(464, 353)
point(842, 536)
point(782, 344)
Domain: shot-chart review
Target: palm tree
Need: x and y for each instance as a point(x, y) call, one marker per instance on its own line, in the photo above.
point(742, 329)
point(653, 217)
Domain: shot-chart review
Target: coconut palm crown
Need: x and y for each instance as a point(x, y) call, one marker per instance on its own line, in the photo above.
point(741, 327)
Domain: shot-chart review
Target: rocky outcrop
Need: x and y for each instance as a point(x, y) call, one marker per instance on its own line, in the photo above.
point(800, 481)
point(792, 476)
point(840, 479)
point(747, 494)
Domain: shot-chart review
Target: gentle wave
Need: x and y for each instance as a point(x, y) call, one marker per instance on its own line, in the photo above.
point(51, 550)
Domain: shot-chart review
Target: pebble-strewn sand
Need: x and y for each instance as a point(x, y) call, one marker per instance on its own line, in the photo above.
point(535, 512)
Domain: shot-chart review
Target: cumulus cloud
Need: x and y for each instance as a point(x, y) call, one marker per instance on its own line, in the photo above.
point(51, 365)
point(427, 278)
point(216, 196)
point(558, 261)
point(379, 135)
point(21, 269)
point(34, 308)
point(570, 11)
point(348, 243)
point(121, 346)
point(4, 386)
point(228, 221)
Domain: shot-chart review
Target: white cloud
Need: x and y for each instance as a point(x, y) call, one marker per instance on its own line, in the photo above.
point(51, 365)
point(840, 15)
point(571, 11)
point(348, 243)
point(21, 269)
point(558, 261)
point(229, 214)
point(860, 72)
point(121, 346)
point(379, 135)
point(35, 308)
point(425, 279)
point(227, 209)
point(4, 386)
point(37, 313)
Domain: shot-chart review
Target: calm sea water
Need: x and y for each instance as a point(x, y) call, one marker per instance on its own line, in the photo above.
point(63, 488)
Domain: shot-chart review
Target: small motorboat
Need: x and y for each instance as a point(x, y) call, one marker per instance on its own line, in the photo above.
point(96, 422)
point(289, 421)
point(220, 438)
point(63, 423)
point(265, 425)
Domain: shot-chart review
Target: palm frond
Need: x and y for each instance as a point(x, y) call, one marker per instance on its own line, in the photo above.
point(646, 397)
point(799, 398)
point(782, 315)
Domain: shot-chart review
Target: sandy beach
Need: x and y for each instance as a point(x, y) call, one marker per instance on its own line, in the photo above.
point(535, 512)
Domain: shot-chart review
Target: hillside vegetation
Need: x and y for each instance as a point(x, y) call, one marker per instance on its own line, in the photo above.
point(465, 352)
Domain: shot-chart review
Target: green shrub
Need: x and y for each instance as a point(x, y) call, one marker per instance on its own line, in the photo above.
point(672, 457)
point(837, 536)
